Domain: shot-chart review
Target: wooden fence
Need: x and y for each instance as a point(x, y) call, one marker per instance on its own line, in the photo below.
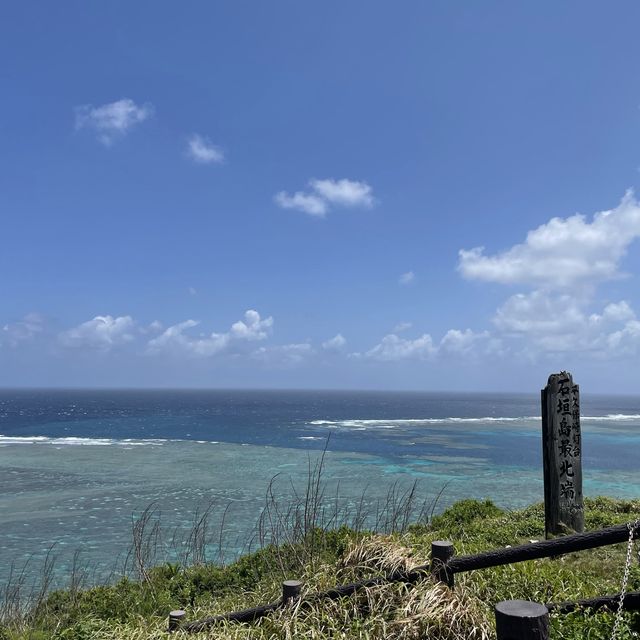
point(515, 619)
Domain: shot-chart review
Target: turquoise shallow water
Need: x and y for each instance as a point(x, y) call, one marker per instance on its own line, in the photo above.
point(75, 467)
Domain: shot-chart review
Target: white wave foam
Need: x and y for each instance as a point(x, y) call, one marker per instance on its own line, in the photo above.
point(76, 441)
point(613, 417)
point(390, 424)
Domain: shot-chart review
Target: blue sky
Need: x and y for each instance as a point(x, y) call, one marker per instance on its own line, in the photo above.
point(292, 194)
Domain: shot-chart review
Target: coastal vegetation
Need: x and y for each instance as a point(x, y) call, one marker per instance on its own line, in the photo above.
point(136, 606)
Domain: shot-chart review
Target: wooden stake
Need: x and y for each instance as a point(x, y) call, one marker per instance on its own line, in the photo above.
point(441, 552)
point(521, 620)
point(175, 619)
point(562, 456)
point(291, 590)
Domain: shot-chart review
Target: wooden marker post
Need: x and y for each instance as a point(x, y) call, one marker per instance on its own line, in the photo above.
point(562, 456)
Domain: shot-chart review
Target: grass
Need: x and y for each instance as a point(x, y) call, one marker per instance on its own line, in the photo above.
point(323, 556)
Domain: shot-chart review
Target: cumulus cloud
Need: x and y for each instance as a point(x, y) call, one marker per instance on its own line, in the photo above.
point(614, 312)
point(305, 202)
point(334, 344)
point(455, 342)
point(407, 278)
point(559, 323)
point(461, 342)
point(562, 263)
point(562, 252)
point(346, 193)
point(101, 333)
point(324, 194)
point(627, 339)
point(539, 312)
point(25, 330)
point(175, 339)
point(393, 347)
point(253, 328)
point(202, 151)
point(402, 326)
point(112, 121)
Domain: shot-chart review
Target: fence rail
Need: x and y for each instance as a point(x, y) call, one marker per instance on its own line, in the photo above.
point(444, 565)
point(543, 549)
point(631, 602)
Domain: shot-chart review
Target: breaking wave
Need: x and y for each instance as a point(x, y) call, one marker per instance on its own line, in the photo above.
point(76, 441)
point(409, 422)
point(414, 421)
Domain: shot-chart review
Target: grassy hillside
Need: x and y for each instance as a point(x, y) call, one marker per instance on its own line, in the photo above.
point(138, 609)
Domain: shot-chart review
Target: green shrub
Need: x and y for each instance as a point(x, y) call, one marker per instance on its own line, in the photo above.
point(462, 513)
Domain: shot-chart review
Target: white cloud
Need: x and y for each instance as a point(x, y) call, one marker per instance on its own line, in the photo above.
point(614, 312)
point(285, 354)
point(627, 339)
point(563, 252)
point(407, 278)
point(203, 151)
point(402, 326)
point(539, 312)
point(101, 333)
point(192, 291)
point(112, 121)
point(327, 193)
point(174, 339)
point(25, 330)
point(459, 342)
point(305, 202)
point(393, 347)
point(560, 323)
point(346, 193)
point(173, 336)
point(253, 328)
point(563, 261)
point(455, 342)
point(335, 344)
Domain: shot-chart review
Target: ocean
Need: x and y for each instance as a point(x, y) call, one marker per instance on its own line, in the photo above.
point(77, 467)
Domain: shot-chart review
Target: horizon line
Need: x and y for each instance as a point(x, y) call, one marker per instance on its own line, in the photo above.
point(288, 390)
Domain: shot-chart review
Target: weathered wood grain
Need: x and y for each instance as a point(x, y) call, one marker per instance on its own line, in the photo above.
point(543, 549)
point(631, 603)
point(562, 455)
point(521, 620)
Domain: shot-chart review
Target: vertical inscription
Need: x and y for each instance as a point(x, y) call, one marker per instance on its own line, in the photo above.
point(562, 455)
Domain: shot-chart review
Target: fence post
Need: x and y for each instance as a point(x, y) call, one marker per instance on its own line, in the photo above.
point(441, 552)
point(175, 619)
point(291, 590)
point(521, 620)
